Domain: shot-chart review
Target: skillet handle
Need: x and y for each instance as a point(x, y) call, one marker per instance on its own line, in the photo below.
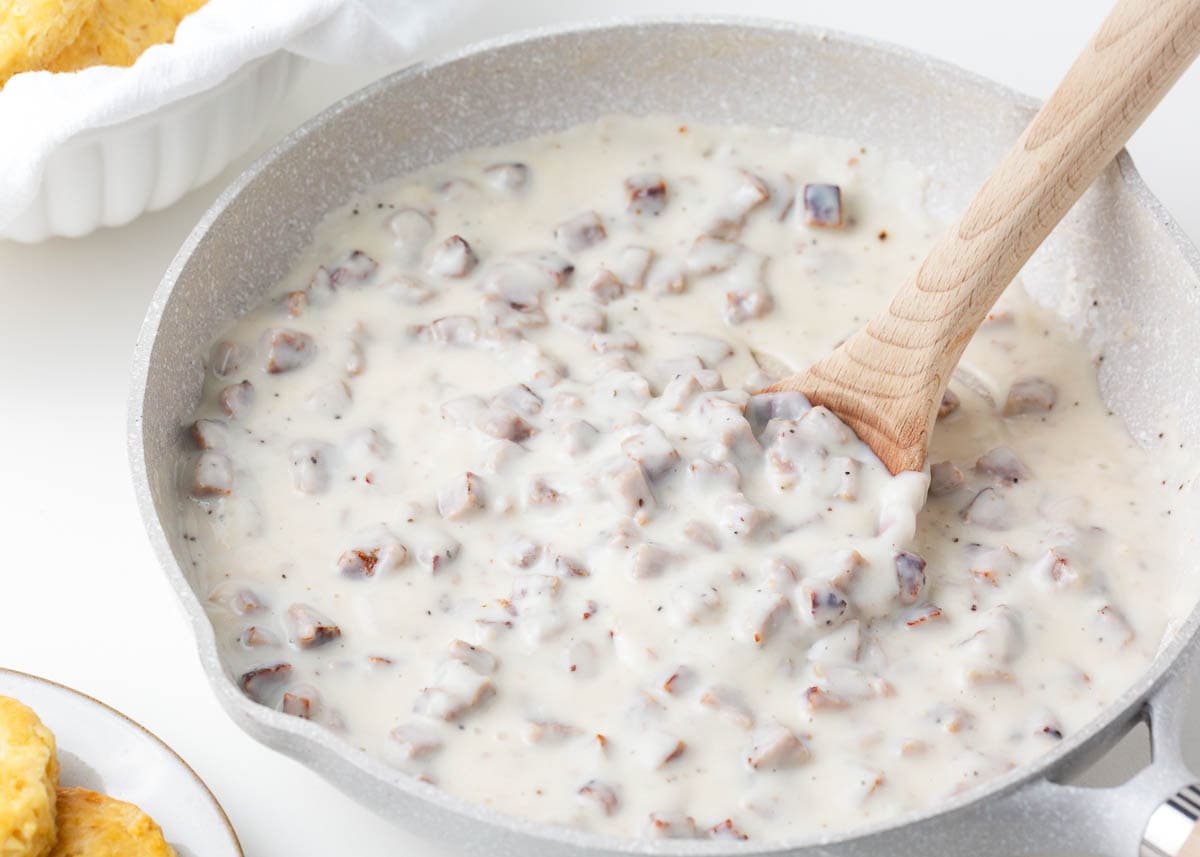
point(1153, 814)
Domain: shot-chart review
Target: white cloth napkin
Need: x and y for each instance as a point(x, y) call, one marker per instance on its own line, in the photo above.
point(40, 110)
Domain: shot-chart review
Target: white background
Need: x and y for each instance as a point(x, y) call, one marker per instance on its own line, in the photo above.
point(82, 600)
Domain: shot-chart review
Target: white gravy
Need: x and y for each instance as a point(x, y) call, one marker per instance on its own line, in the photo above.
point(626, 596)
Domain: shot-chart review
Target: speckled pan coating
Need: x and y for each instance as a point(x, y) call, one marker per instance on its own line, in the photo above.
point(1118, 248)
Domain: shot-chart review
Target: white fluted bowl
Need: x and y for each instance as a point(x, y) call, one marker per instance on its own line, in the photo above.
point(108, 176)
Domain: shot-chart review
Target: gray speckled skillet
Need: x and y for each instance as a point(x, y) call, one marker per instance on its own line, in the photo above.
point(1143, 272)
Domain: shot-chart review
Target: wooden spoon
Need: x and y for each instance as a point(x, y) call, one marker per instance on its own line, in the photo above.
point(887, 380)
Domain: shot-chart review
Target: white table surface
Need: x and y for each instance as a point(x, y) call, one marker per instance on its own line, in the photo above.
point(82, 600)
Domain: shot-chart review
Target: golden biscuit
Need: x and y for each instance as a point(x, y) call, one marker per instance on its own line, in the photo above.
point(28, 777)
point(33, 32)
point(119, 30)
point(94, 825)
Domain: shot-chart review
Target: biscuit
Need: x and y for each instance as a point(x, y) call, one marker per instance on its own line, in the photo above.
point(33, 32)
point(28, 777)
point(118, 31)
point(94, 825)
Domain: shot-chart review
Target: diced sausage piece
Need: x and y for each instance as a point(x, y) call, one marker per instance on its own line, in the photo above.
point(310, 466)
point(579, 658)
point(749, 193)
point(666, 277)
point(632, 266)
point(819, 699)
point(868, 782)
point(580, 232)
point(454, 258)
point(519, 399)
point(258, 682)
point(727, 830)
point(740, 517)
point(578, 436)
point(693, 605)
point(1053, 570)
point(843, 566)
point(921, 614)
point(354, 269)
point(568, 567)
point(503, 423)
point(945, 478)
point(549, 264)
point(587, 318)
point(237, 399)
point(415, 741)
point(647, 194)
point(823, 205)
point(458, 189)
point(294, 304)
point(649, 560)
point(604, 287)
point(910, 577)
point(819, 604)
point(412, 230)
point(365, 562)
point(991, 565)
point(308, 628)
point(288, 350)
point(521, 553)
point(951, 718)
point(663, 372)
point(709, 475)
point(729, 703)
point(454, 330)
point(949, 404)
point(257, 637)
point(1003, 465)
point(672, 825)
point(437, 551)
point(649, 447)
point(629, 489)
point(754, 621)
point(535, 587)
point(462, 495)
point(210, 434)
point(777, 406)
point(743, 306)
point(476, 657)
point(993, 647)
point(367, 444)
point(465, 411)
point(303, 702)
point(988, 509)
point(457, 690)
point(1112, 627)
point(845, 473)
point(1030, 396)
point(616, 342)
point(409, 290)
point(548, 732)
point(600, 795)
point(679, 681)
point(709, 255)
point(242, 601)
point(226, 358)
point(542, 493)
point(332, 399)
point(682, 390)
point(509, 176)
point(774, 746)
point(702, 534)
point(842, 646)
point(213, 475)
point(656, 748)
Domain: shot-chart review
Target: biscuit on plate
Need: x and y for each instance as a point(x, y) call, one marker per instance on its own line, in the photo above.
point(119, 30)
point(95, 825)
point(33, 32)
point(28, 777)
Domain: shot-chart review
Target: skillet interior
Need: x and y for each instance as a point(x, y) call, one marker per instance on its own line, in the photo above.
point(1118, 248)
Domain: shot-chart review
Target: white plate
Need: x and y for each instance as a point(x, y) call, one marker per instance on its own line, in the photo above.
point(101, 749)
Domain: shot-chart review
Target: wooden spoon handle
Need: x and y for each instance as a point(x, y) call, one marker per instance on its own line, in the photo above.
point(1139, 52)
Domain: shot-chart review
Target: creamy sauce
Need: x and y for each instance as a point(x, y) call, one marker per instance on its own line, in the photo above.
point(497, 505)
